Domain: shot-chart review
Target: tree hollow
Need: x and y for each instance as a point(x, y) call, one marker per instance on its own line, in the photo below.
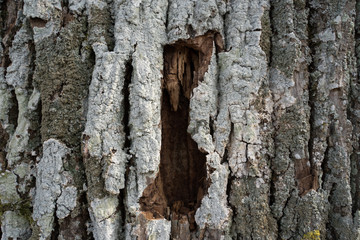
point(182, 179)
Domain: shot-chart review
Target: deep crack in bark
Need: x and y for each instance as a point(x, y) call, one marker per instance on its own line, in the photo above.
point(177, 191)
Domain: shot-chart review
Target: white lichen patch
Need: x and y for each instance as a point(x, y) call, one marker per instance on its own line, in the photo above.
point(203, 105)
point(105, 114)
point(77, 5)
point(43, 9)
point(213, 212)
point(104, 217)
point(17, 73)
point(5, 105)
point(14, 226)
point(49, 14)
point(25, 173)
point(66, 202)
point(51, 187)
point(189, 18)
point(238, 159)
point(17, 77)
point(158, 229)
point(8, 186)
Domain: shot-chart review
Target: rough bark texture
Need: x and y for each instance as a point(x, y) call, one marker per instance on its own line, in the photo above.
point(180, 119)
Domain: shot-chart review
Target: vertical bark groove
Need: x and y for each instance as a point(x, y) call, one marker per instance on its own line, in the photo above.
point(127, 143)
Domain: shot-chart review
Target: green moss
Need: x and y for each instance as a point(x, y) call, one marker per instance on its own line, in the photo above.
point(35, 232)
point(8, 184)
point(23, 208)
point(4, 208)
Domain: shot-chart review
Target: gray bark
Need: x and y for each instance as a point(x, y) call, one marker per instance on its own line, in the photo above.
point(179, 119)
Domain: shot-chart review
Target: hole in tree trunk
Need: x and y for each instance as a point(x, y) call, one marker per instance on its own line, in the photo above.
point(181, 183)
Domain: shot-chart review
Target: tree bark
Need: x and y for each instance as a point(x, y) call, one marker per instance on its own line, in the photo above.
point(179, 119)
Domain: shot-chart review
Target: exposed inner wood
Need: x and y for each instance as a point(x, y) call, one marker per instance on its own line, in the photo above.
point(178, 189)
point(37, 22)
point(305, 176)
point(185, 64)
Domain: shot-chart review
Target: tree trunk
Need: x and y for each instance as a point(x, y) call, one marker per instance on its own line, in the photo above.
point(180, 119)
